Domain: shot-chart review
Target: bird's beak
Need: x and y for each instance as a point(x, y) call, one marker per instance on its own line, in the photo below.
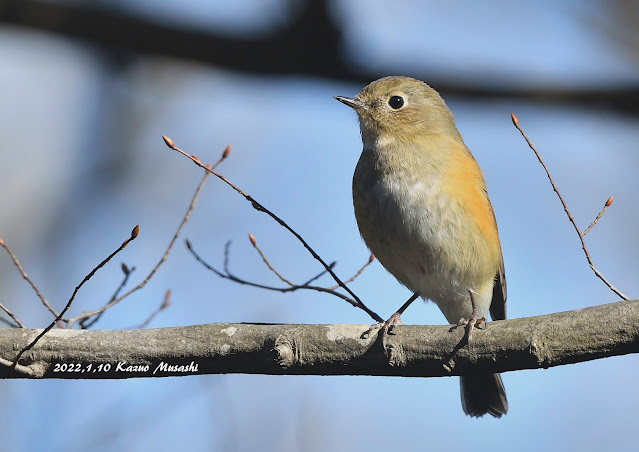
point(352, 102)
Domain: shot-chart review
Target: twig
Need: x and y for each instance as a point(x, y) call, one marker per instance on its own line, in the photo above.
point(88, 314)
point(166, 302)
point(26, 277)
point(134, 234)
point(594, 222)
point(228, 275)
point(10, 314)
point(319, 275)
point(259, 207)
point(23, 370)
point(370, 260)
point(268, 264)
point(572, 220)
point(84, 324)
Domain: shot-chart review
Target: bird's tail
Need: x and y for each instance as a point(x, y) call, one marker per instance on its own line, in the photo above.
point(481, 394)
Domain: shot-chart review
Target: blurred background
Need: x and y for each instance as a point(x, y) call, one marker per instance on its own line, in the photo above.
point(88, 88)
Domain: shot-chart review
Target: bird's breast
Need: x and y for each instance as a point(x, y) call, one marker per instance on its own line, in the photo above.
point(404, 220)
point(412, 221)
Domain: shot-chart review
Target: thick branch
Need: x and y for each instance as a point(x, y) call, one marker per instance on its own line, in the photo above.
point(427, 351)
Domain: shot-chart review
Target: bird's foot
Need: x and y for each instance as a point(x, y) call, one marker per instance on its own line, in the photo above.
point(472, 322)
point(387, 328)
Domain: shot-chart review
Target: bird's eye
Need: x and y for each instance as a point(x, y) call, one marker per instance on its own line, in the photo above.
point(396, 102)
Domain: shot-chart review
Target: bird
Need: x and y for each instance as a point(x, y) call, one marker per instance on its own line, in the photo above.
point(422, 208)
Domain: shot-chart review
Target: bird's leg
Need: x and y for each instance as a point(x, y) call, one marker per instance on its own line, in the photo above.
point(393, 320)
point(471, 322)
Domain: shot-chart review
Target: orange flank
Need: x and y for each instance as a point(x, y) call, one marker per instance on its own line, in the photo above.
point(464, 181)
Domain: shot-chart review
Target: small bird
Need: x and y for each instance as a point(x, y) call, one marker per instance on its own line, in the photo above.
point(422, 208)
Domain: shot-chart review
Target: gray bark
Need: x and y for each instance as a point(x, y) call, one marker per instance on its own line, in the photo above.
point(425, 351)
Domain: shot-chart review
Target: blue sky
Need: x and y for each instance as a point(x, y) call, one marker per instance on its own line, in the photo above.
point(83, 162)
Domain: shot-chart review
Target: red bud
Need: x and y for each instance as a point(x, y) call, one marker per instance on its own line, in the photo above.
point(167, 300)
point(169, 142)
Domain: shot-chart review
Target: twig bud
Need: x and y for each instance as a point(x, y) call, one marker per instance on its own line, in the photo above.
point(135, 231)
point(193, 157)
point(169, 142)
point(125, 269)
point(167, 300)
point(609, 202)
point(252, 239)
point(226, 152)
point(514, 119)
point(188, 244)
point(371, 258)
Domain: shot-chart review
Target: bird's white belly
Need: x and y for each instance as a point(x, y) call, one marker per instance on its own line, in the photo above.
point(418, 245)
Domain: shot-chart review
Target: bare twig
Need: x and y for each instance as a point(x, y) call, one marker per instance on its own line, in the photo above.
point(572, 220)
point(25, 371)
point(370, 260)
point(127, 273)
point(599, 215)
point(301, 286)
point(259, 207)
point(166, 302)
point(268, 264)
point(231, 277)
point(134, 234)
point(88, 314)
point(10, 314)
point(319, 275)
point(26, 278)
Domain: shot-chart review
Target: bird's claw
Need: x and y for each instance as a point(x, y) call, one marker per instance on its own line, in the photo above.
point(470, 324)
point(387, 328)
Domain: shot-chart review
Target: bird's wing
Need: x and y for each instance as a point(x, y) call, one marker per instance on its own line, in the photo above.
point(498, 305)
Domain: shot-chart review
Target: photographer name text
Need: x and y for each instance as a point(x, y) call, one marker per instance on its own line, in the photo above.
point(125, 367)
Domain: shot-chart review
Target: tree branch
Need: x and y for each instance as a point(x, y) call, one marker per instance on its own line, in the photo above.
point(355, 301)
point(415, 350)
point(580, 234)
